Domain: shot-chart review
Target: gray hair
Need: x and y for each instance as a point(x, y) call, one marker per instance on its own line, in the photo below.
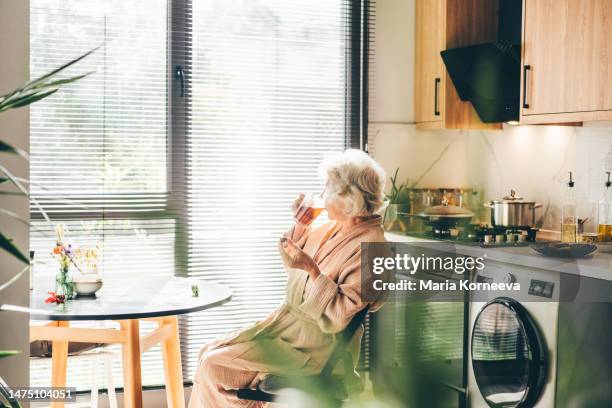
point(357, 179)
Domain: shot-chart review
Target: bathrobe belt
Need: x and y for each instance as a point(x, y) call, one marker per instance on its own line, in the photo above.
point(285, 315)
point(298, 314)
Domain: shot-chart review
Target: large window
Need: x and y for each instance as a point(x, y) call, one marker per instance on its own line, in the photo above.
point(99, 147)
point(182, 151)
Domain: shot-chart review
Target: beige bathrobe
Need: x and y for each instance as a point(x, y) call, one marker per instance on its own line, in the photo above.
point(300, 334)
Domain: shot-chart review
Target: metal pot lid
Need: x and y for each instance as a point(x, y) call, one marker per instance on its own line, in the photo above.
point(512, 198)
point(446, 210)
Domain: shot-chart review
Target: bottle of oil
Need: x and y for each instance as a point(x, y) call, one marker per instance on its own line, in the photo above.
point(569, 221)
point(604, 216)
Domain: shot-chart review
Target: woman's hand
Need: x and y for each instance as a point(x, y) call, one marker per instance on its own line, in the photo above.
point(294, 257)
point(296, 203)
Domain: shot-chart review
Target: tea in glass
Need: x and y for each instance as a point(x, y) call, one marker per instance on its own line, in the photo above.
point(309, 209)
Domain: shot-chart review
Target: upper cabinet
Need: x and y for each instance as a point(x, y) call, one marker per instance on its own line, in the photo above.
point(443, 24)
point(567, 61)
point(532, 61)
point(429, 70)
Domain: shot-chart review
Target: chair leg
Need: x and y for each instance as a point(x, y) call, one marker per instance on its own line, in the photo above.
point(110, 383)
point(95, 365)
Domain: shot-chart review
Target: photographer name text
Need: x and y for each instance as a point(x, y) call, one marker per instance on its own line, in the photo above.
point(431, 285)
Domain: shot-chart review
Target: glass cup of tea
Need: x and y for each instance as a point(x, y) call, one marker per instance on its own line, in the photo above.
point(309, 209)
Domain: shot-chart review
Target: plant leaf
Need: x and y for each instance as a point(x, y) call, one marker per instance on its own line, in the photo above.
point(25, 192)
point(13, 180)
point(21, 101)
point(12, 193)
point(41, 83)
point(7, 148)
point(35, 93)
point(59, 82)
point(8, 353)
point(8, 246)
point(14, 278)
point(37, 81)
point(14, 215)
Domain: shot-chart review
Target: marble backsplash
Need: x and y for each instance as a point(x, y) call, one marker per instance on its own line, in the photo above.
point(534, 160)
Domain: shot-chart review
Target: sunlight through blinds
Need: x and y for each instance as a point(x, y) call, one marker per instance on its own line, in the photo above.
point(183, 150)
point(270, 97)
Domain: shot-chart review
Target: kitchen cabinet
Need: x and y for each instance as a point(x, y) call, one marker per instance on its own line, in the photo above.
point(429, 68)
point(443, 24)
point(566, 61)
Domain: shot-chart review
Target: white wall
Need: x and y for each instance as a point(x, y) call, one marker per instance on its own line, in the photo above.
point(533, 159)
point(393, 78)
point(14, 129)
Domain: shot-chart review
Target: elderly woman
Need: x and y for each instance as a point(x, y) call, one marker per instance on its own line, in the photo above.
point(322, 294)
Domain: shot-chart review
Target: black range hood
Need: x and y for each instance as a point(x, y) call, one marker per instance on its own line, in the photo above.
point(489, 75)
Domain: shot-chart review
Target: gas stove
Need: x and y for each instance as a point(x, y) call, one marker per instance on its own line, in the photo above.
point(483, 235)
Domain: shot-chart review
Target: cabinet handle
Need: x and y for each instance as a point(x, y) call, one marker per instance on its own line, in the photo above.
point(526, 69)
point(436, 111)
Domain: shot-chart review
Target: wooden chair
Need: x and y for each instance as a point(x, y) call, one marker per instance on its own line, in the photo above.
point(273, 383)
point(98, 355)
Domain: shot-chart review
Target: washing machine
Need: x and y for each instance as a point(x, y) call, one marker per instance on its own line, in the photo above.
point(512, 351)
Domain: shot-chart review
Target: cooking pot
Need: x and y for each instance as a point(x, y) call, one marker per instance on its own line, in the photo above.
point(446, 215)
point(513, 211)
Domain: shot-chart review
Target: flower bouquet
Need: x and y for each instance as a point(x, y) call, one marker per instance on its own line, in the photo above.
point(85, 260)
point(63, 252)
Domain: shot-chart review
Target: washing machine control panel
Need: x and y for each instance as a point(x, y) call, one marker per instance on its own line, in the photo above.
point(536, 284)
point(541, 288)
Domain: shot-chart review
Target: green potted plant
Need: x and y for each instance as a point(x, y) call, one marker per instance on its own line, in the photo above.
point(399, 205)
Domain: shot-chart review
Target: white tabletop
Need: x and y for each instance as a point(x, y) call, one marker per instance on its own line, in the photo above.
point(128, 297)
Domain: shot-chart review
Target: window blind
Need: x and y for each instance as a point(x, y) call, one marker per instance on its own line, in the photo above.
point(182, 152)
point(99, 146)
point(272, 88)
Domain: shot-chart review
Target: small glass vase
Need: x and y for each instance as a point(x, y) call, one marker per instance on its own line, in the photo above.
point(64, 285)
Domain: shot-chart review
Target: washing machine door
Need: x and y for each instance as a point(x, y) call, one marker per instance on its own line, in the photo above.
point(508, 355)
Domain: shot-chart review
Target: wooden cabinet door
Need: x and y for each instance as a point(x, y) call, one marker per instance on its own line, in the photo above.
point(429, 69)
point(567, 58)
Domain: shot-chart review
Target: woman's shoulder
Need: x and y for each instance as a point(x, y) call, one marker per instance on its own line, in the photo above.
point(374, 233)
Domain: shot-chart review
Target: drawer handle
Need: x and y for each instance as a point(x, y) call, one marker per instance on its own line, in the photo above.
point(526, 69)
point(436, 111)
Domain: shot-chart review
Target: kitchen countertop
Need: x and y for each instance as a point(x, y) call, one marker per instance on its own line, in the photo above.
point(598, 265)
